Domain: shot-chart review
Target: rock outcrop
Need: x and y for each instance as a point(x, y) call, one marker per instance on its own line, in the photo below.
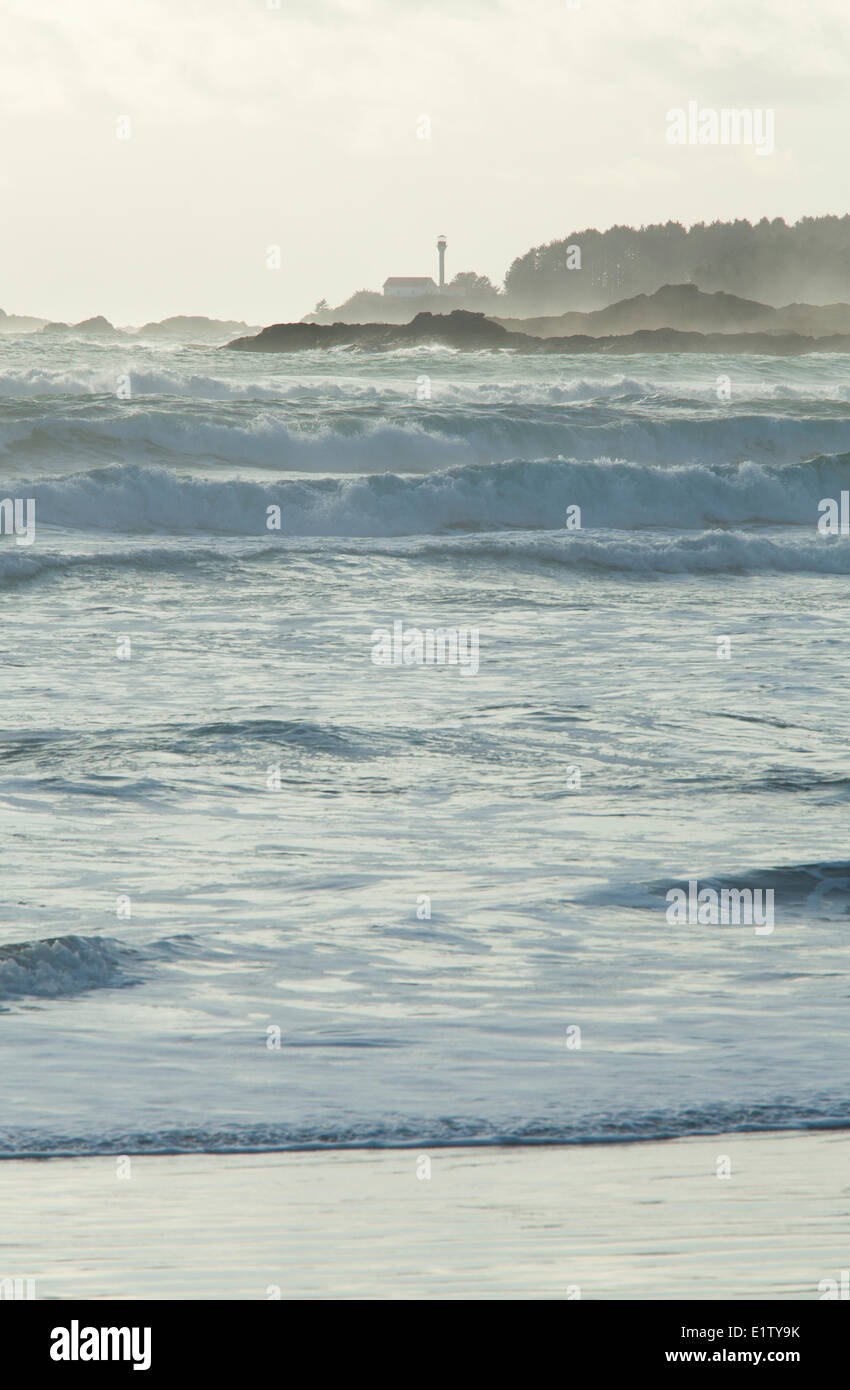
point(193, 326)
point(98, 327)
point(468, 332)
point(689, 310)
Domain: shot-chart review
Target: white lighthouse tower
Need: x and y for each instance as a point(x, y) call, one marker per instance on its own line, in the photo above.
point(441, 248)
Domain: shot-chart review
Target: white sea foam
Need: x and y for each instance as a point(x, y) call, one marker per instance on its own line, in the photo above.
point(332, 427)
point(195, 731)
point(159, 371)
point(714, 552)
point(137, 500)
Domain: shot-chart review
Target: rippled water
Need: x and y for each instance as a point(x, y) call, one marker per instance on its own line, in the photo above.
point(224, 826)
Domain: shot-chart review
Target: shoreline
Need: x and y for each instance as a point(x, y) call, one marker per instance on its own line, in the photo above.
point(645, 1220)
point(128, 1144)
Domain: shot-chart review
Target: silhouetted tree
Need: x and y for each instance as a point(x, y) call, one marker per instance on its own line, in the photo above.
point(770, 261)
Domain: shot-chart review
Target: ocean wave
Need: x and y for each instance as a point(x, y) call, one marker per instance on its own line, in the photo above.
point(61, 966)
point(54, 750)
point(819, 889)
point(325, 739)
point(18, 564)
point(23, 382)
point(162, 370)
point(711, 552)
point(155, 379)
point(260, 439)
point(151, 379)
point(628, 1127)
point(528, 495)
point(330, 436)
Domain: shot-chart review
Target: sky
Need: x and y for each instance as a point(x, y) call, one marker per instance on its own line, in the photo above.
point(154, 150)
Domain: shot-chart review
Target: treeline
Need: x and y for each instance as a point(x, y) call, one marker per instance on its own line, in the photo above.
point(767, 260)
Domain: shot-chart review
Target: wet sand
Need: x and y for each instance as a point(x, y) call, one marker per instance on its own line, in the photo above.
point(634, 1221)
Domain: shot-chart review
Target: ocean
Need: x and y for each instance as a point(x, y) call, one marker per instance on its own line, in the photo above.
point(266, 891)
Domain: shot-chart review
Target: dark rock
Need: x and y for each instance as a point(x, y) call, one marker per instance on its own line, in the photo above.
point(96, 327)
point(460, 329)
point(470, 332)
point(193, 326)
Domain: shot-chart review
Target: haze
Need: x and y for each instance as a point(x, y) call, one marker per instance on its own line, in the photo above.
point(253, 127)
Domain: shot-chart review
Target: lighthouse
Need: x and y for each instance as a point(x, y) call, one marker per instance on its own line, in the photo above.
point(441, 248)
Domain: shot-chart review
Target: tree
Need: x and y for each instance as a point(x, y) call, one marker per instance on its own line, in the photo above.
point(771, 262)
point(468, 283)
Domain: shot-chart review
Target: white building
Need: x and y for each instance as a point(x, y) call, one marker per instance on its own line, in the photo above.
point(409, 286)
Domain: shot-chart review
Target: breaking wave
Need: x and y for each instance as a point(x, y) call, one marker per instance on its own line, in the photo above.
point(60, 966)
point(165, 380)
point(159, 371)
point(529, 495)
point(371, 432)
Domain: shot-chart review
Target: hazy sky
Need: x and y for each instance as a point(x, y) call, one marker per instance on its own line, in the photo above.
point(297, 126)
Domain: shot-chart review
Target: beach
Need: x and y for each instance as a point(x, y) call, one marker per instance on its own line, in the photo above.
point(609, 1221)
point(425, 744)
point(458, 778)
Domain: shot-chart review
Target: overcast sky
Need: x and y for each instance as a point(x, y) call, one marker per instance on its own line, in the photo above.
point(253, 126)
